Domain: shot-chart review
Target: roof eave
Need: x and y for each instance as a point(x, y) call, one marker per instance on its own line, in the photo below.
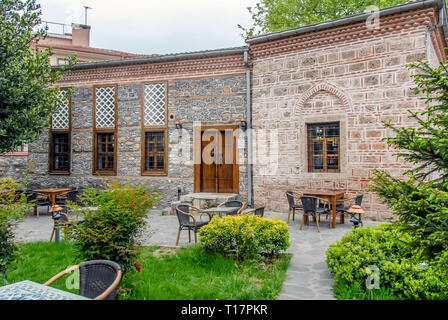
point(351, 19)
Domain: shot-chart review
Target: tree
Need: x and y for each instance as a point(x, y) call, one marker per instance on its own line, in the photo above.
point(277, 15)
point(420, 199)
point(28, 93)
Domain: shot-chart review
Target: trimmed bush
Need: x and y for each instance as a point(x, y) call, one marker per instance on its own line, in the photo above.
point(404, 269)
point(110, 232)
point(247, 236)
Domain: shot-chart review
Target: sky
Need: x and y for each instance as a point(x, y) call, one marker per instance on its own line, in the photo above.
point(155, 26)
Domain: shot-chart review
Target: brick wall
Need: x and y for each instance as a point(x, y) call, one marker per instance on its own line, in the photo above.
point(358, 79)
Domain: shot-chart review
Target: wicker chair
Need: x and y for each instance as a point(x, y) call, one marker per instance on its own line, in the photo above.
point(292, 196)
point(70, 196)
point(311, 207)
point(187, 221)
point(98, 279)
point(37, 200)
point(259, 211)
point(237, 204)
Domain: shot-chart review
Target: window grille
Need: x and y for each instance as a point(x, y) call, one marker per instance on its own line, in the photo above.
point(60, 119)
point(105, 107)
point(154, 104)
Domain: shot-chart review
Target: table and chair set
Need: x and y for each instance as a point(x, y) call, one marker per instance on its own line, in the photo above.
point(315, 203)
point(188, 215)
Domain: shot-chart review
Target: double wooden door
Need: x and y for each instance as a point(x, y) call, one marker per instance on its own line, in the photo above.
point(218, 169)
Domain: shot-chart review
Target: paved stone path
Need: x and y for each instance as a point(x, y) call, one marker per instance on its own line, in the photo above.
point(307, 278)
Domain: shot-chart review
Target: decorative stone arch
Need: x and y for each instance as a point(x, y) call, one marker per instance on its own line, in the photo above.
point(322, 87)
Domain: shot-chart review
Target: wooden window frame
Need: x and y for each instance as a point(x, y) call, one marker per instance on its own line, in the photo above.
point(155, 172)
point(51, 170)
point(155, 128)
point(97, 131)
point(324, 141)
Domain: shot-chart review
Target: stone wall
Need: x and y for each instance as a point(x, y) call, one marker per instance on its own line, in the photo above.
point(359, 80)
point(209, 100)
point(13, 166)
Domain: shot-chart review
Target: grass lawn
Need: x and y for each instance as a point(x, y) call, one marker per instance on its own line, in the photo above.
point(171, 274)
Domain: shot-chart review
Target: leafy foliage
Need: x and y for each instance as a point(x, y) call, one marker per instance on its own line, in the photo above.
point(248, 236)
point(13, 207)
point(421, 200)
point(27, 97)
point(277, 15)
point(390, 249)
point(111, 230)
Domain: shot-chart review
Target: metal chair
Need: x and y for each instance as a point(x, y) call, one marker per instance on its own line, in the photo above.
point(98, 279)
point(291, 196)
point(187, 221)
point(311, 207)
point(237, 204)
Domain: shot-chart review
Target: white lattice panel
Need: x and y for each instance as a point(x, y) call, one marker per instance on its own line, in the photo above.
point(154, 96)
point(105, 107)
point(60, 119)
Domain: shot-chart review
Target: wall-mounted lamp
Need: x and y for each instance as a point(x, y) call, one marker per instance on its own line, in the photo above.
point(243, 124)
point(179, 128)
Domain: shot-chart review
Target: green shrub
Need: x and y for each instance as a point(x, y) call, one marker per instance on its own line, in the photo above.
point(13, 207)
point(390, 249)
point(111, 230)
point(247, 236)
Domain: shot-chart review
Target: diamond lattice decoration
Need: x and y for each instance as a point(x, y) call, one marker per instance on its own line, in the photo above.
point(154, 96)
point(60, 119)
point(105, 107)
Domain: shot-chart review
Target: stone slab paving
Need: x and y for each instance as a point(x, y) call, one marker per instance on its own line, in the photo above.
point(307, 278)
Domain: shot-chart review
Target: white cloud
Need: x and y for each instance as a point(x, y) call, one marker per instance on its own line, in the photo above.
point(155, 26)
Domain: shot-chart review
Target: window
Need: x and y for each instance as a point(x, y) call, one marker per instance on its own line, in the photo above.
point(154, 142)
point(324, 147)
point(155, 152)
point(105, 151)
point(105, 147)
point(60, 145)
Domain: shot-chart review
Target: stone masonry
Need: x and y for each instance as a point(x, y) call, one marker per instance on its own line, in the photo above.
point(209, 99)
point(347, 74)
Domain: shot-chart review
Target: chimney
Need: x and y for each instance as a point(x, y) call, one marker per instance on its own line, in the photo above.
point(80, 35)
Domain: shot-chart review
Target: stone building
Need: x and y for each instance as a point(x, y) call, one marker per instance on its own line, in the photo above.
point(121, 120)
point(315, 97)
point(327, 88)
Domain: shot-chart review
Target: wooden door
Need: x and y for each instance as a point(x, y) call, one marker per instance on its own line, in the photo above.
point(218, 161)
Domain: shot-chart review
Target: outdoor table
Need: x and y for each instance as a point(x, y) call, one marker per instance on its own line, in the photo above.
point(218, 210)
point(29, 290)
point(332, 195)
point(53, 193)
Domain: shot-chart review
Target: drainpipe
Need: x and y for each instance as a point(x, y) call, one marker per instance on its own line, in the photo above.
point(250, 198)
point(442, 17)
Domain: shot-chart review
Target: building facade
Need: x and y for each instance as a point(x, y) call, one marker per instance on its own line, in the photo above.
point(315, 98)
point(120, 123)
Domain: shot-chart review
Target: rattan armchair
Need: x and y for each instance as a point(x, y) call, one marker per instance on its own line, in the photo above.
point(187, 221)
point(259, 211)
point(311, 206)
point(98, 279)
point(343, 205)
point(292, 197)
point(237, 204)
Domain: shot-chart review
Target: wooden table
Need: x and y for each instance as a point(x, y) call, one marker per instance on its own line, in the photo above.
point(53, 193)
point(29, 290)
point(331, 195)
